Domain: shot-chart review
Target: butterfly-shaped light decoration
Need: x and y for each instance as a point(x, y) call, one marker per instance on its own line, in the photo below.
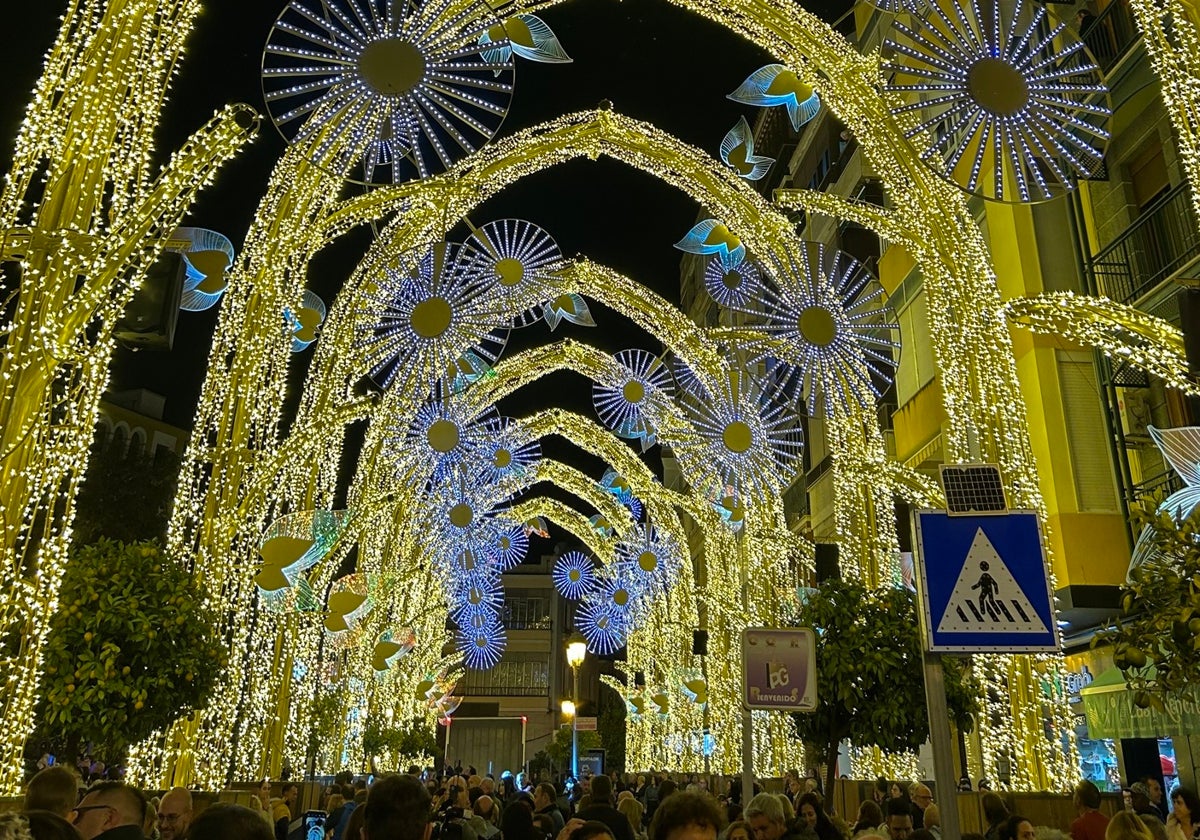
point(601, 525)
point(391, 646)
point(293, 544)
point(573, 575)
point(306, 321)
point(828, 326)
point(509, 546)
point(694, 687)
point(774, 85)
point(732, 287)
point(482, 647)
point(662, 703)
point(466, 370)
point(741, 437)
point(737, 150)
point(650, 557)
point(728, 506)
point(522, 260)
point(637, 392)
point(567, 307)
point(526, 35)
point(616, 484)
point(602, 627)
point(1181, 449)
point(349, 601)
point(536, 527)
point(713, 237)
point(1008, 103)
point(424, 312)
point(207, 258)
point(384, 91)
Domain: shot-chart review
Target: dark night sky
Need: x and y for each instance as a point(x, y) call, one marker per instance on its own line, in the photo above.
point(652, 60)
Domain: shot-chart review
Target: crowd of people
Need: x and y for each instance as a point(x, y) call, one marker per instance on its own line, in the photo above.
point(459, 804)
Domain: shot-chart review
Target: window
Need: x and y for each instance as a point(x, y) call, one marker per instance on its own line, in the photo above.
point(527, 612)
point(515, 675)
point(1090, 461)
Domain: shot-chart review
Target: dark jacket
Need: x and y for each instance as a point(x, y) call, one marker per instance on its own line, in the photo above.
point(611, 817)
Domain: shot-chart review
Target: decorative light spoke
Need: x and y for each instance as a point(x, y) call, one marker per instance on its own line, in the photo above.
point(482, 646)
point(1010, 105)
point(425, 312)
point(741, 438)
point(732, 287)
point(828, 327)
point(520, 259)
point(573, 575)
point(651, 558)
point(385, 91)
point(603, 627)
point(509, 546)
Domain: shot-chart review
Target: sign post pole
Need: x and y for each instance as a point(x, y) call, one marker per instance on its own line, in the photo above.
point(939, 738)
point(747, 757)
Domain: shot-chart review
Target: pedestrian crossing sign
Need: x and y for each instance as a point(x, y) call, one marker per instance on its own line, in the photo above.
point(983, 584)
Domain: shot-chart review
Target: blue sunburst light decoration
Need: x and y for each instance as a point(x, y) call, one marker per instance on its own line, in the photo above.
point(741, 438)
point(526, 35)
point(829, 327)
point(509, 545)
point(441, 437)
point(775, 84)
point(737, 150)
point(482, 647)
point(424, 312)
point(573, 575)
point(630, 399)
point(482, 596)
point(733, 287)
point(1008, 103)
point(603, 628)
point(384, 91)
point(521, 259)
point(713, 237)
point(651, 558)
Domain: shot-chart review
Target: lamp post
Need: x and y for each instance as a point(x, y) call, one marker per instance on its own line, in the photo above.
point(576, 653)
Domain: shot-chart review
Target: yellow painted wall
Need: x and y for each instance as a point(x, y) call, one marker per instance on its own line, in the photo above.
point(917, 421)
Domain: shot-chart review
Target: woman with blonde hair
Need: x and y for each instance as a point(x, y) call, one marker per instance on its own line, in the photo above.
point(633, 811)
point(1126, 825)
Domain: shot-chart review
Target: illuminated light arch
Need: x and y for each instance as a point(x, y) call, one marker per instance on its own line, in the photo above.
point(1121, 332)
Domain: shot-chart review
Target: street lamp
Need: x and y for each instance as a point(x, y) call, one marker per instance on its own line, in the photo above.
point(576, 653)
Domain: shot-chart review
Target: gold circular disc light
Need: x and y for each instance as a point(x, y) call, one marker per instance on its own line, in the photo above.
point(818, 326)
point(634, 391)
point(431, 317)
point(648, 561)
point(737, 437)
point(998, 87)
point(501, 459)
point(510, 271)
point(392, 66)
point(461, 515)
point(442, 435)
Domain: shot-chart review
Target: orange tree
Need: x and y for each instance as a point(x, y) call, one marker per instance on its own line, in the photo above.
point(128, 650)
point(870, 684)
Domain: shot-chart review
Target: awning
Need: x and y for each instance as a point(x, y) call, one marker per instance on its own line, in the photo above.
point(1110, 711)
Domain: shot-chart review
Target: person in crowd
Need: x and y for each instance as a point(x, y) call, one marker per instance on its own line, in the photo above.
point(602, 809)
point(488, 786)
point(765, 815)
point(1090, 824)
point(262, 796)
point(281, 809)
point(545, 802)
point(870, 818)
point(628, 805)
point(1154, 785)
point(517, 823)
point(543, 827)
point(687, 816)
point(1126, 825)
point(922, 798)
point(789, 813)
point(36, 825)
point(933, 820)
point(879, 793)
point(111, 811)
point(174, 814)
point(898, 816)
point(1184, 820)
point(814, 816)
point(397, 808)
point(994, 813)
point(228, 821)
point(921, 834)
point(55, 789)
point(964, 784)
point(485, 808)
point(1142, 804)
point(354, 825)
point(983, 786)
point(343, 824)
point(1017, 827)
point(591, 830)
point(739, 830)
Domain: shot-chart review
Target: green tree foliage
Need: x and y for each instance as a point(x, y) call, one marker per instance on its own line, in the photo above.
point(411, 739)
point(1156, 641)
point(611, 725)
point(558, 751)
point(128, 651)
point(870, 685)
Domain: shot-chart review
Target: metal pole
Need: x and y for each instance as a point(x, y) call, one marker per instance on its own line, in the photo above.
point(575, 725)
point(939, 738)
point(747, 759)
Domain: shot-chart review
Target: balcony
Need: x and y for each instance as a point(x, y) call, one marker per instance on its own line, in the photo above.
point(1111, 34)
point(1160, 243)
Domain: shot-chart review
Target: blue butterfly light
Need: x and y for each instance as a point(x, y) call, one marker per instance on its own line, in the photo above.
point(774, 85)
point(737, 150)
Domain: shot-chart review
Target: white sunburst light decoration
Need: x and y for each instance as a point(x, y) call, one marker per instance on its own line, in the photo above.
point(602, 627)
point(482, 646)
point(1010, 105)
point(441, 441)
point(828, 326)
point(573, 575)
point(733, 287)
point(741, 438)
point(386, 90)
point(426, 310)
point(509, 545)
point(629, 401)
point(504, 454)
point(522, 259)
point(650, 557)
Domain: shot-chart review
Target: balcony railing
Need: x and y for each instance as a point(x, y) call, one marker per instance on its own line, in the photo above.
point(1161, 242)
point(1111, 34)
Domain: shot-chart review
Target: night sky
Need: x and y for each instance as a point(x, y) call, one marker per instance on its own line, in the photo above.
point(653, 61)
